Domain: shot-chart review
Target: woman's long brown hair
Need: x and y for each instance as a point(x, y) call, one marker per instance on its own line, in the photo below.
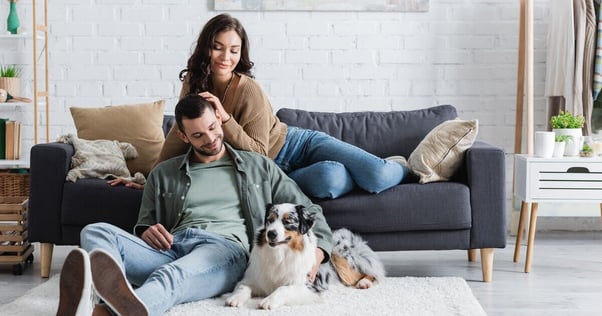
point(199, 64)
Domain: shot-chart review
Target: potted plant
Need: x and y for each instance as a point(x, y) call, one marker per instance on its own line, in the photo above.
point(586, 151)
point(566, 119)
point(565, 123)
point(9, 79)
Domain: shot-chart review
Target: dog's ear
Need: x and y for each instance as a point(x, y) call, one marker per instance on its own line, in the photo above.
point(306, 219)
point(268, 208)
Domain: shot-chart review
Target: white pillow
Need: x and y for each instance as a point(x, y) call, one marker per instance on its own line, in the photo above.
point(441, 151)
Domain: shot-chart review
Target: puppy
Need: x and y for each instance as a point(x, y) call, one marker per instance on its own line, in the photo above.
point(283, 256)
point(352, 263)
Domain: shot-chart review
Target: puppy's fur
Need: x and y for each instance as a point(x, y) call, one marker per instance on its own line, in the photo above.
point(352, 263)
point(283, 256)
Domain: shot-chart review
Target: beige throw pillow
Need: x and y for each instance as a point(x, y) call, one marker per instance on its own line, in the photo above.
point(138, 124)
point(440, 153)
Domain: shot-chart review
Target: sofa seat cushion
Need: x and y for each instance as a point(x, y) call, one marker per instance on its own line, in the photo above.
point(93, 200)
point(405, 207)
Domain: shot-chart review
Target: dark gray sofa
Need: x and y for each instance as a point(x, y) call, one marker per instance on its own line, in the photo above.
point(465, 213)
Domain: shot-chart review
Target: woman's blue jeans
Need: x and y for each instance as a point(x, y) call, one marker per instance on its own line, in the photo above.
point(199, 264)
point(326, 167)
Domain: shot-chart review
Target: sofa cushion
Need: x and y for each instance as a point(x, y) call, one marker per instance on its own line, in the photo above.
point(93, 200)
point(407, 207)
point(380, 133)
point(440, 153)
point(139, 124)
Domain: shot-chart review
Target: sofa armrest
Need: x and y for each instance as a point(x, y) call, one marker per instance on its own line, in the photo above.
point(485, 175)
point(49, 164)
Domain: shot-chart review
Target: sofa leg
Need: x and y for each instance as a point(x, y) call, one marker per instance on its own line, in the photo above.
point(487, 263)
point(46, 258)
point(472, 255)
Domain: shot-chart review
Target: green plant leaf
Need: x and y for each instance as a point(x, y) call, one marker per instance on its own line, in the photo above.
point(566, 119)
point(562, 138)
point(9, 71)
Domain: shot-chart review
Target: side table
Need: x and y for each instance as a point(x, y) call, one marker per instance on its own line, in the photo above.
point(566, 179)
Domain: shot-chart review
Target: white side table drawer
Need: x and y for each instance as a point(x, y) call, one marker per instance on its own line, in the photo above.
point(569, 178)
point(566, 181)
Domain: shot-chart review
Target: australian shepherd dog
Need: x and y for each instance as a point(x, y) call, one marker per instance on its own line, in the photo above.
point(284, 254)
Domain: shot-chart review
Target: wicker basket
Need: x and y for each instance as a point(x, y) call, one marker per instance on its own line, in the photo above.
point(14, 184)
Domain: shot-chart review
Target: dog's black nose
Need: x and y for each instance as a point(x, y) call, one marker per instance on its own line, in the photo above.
point(272, 234)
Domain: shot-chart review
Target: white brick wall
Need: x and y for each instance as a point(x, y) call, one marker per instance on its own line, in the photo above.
point(460, 52)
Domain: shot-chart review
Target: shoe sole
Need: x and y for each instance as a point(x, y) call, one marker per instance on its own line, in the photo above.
point(112, 287)
point(72, 283)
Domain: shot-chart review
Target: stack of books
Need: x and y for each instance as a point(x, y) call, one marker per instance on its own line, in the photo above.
point(10, 139)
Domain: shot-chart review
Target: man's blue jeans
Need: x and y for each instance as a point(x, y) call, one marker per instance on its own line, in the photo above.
point(199, 264)
point(326, 167)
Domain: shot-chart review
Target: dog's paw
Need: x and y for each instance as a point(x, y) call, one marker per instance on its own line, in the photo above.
point(364, 284)
point(236, 300)
point(270, 302)
point(241, 294)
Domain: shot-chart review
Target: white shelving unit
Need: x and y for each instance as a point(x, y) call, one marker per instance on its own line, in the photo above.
point(39, 38)
point(14, 164)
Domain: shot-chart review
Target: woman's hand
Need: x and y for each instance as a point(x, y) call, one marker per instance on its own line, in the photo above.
point(157, 237)
point(127, 183)
point(217, 105)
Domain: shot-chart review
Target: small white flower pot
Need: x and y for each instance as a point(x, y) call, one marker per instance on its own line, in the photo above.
point(558, 149)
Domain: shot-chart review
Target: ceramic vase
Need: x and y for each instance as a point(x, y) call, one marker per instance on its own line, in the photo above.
point(12, 22)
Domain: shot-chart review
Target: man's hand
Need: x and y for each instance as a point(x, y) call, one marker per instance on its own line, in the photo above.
point(157, 237)
point(314, 270)
point(127, 183)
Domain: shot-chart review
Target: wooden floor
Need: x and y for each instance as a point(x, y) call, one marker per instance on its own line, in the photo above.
point(566, 275)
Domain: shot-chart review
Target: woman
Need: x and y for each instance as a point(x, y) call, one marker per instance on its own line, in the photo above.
point(323, 166)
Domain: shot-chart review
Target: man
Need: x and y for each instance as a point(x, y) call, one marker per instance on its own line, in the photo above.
point(199, 215)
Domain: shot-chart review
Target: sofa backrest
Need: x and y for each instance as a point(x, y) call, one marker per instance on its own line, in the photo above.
point(168, 122)
point(381, 133)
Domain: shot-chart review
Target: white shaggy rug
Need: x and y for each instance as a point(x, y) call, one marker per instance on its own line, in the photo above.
point(393, 296)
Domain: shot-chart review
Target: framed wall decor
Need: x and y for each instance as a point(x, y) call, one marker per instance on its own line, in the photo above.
point(323, 5)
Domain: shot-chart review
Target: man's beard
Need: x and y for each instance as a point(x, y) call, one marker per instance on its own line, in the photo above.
point(212, 152)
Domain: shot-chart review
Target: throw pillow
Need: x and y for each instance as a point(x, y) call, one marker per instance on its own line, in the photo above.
point(138, 124)
point(100, 158)
point(440, 153)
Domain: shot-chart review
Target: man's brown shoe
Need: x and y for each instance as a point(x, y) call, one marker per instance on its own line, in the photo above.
point(112, 286)
point(75, 298)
